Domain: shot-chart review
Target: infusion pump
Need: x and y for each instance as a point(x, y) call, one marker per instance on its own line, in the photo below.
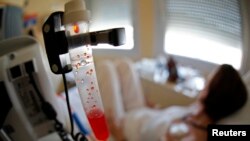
point(21, 116)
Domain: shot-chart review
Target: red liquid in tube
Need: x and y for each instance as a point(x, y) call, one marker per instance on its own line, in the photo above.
point(98, 124)
point(85, 77)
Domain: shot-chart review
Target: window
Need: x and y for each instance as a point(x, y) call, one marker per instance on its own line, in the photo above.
point(107, 14)
point(207, 30)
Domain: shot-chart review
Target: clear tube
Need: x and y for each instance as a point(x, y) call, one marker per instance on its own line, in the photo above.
point(86, 82)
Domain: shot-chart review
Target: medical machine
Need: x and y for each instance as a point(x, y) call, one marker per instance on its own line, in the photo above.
point(28, 104)
point(26, 92)
point(66, 36)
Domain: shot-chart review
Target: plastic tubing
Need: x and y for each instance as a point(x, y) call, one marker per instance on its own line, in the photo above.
point(86, 81)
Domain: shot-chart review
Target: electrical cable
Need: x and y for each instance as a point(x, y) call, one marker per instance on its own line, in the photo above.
point(68, 104)
point(83, 138)
point(49, 111)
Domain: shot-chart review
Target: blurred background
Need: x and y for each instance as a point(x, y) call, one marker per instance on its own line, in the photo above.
point(173, 44)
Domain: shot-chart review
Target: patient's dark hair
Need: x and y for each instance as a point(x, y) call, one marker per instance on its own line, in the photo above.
point(226, 93)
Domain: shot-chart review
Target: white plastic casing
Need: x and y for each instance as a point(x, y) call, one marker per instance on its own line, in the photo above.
point(75, 11)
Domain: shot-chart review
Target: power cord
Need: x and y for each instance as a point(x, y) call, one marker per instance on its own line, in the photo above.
point(49, 111)
point(51, 114)
point(81, 135)
point(68, 104)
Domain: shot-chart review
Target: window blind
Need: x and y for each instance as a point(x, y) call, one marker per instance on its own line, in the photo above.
point(215, 19)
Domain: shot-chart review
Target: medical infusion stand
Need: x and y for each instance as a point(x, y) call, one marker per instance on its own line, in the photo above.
point(59, 42)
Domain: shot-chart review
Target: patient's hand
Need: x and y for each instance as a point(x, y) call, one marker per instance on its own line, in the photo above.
point(180, 130)
point(152, 105)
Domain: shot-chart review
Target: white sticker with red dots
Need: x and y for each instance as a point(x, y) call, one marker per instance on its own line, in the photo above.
point(85, 77)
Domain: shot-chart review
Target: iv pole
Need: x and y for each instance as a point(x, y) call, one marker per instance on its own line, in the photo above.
point(59, 42)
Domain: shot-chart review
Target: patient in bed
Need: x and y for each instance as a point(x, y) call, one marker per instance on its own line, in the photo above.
point(223, 95)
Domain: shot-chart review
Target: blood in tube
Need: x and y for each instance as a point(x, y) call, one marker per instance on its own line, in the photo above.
point(98, 123)
point(86, 81)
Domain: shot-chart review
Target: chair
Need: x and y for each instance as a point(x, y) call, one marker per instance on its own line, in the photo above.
point(110, 90)
point(122, 96)
point(122, 92)
point(131, 88)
